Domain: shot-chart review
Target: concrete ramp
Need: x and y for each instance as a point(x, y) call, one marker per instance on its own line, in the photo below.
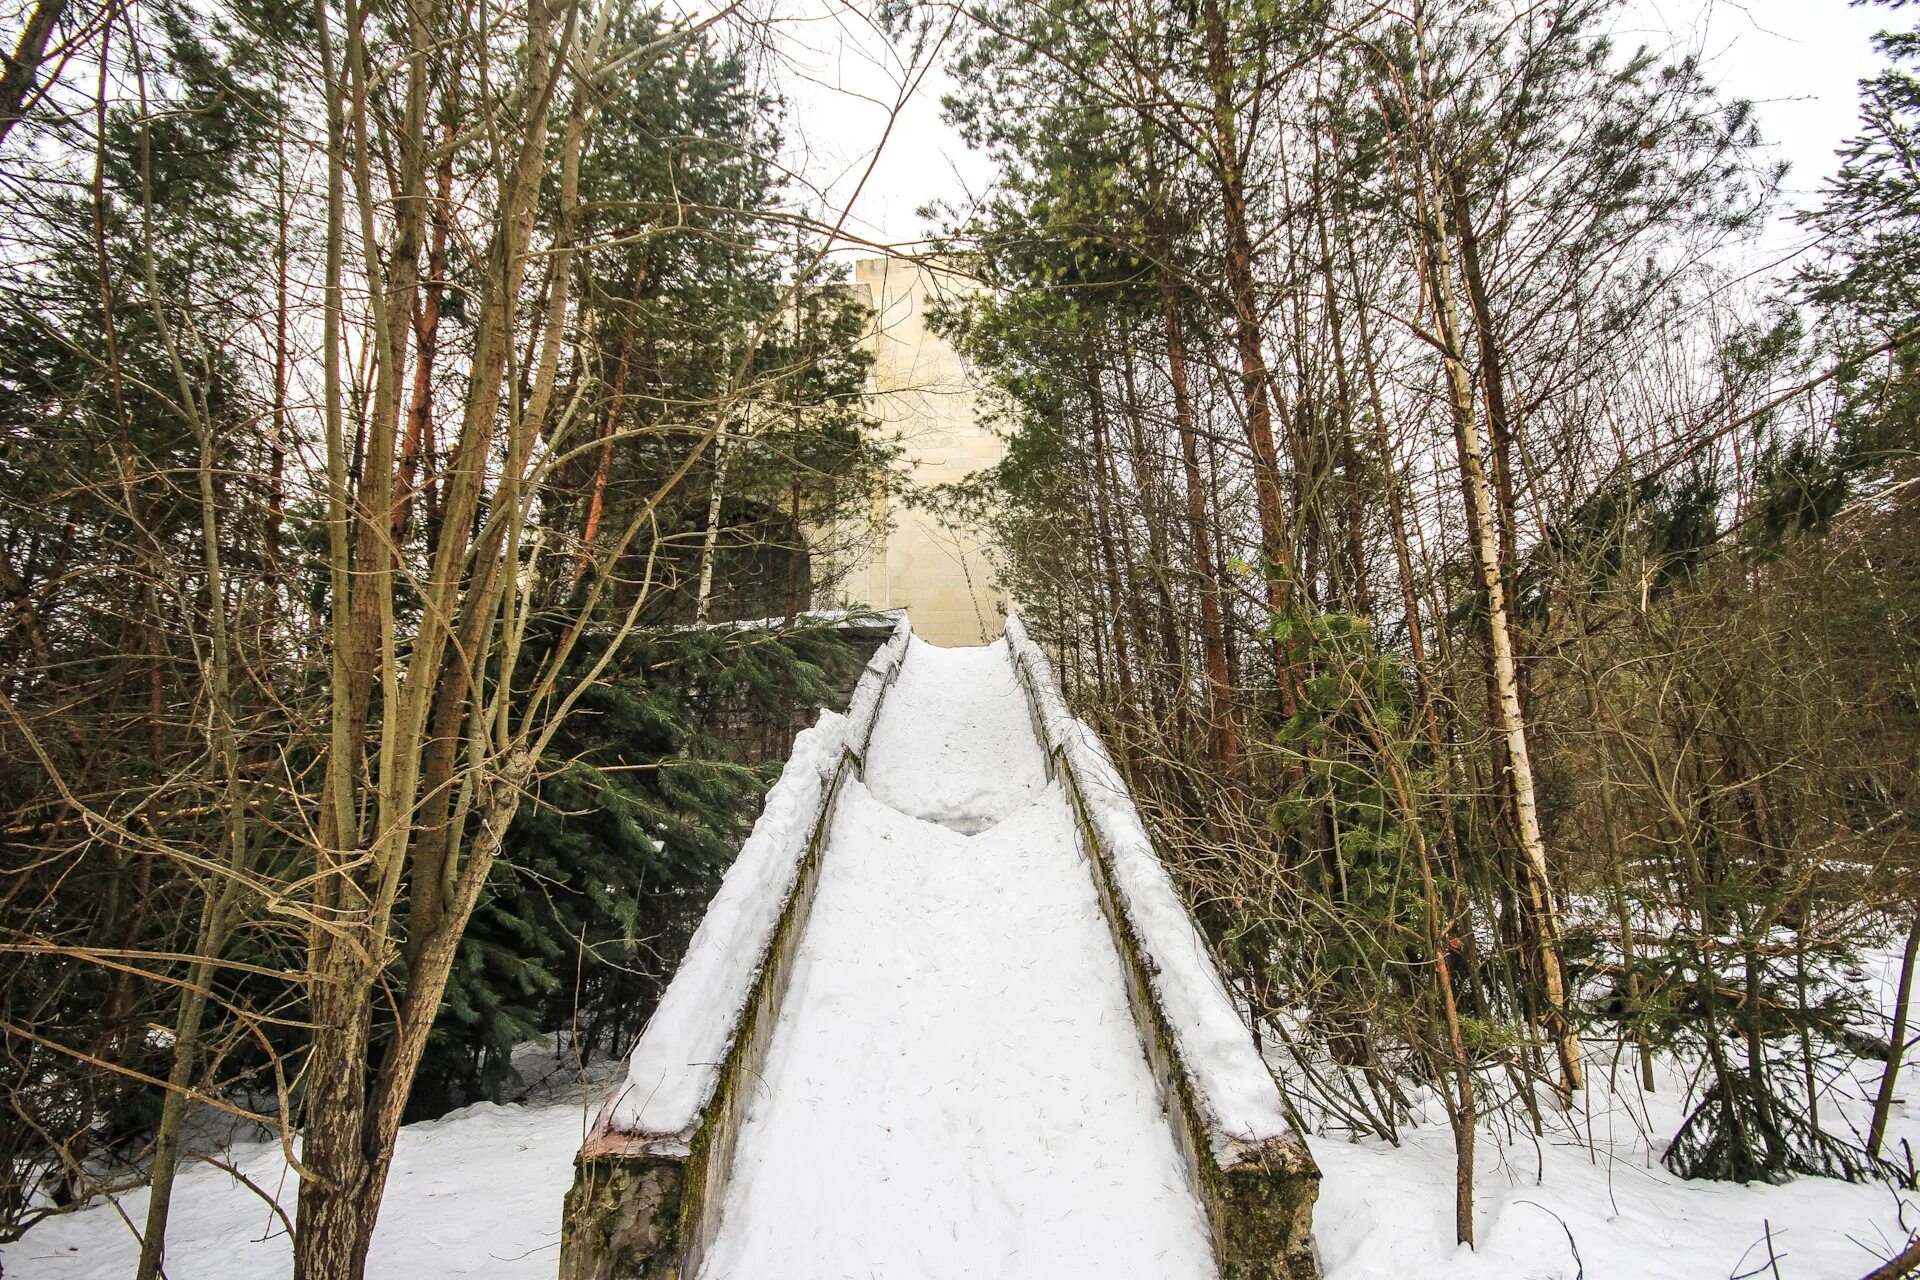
point(955, 1087)
point(946, 1018)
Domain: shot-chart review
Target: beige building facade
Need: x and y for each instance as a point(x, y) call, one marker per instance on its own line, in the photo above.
point(923, 395)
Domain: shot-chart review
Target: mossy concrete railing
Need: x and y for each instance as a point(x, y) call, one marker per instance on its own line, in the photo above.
point(650, 1178)
point(1245, 1161)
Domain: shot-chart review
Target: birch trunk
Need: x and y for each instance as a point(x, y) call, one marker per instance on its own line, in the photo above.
point(710, 541)
point(1509, 720)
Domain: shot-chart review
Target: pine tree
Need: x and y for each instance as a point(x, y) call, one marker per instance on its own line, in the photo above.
point(1867, 293)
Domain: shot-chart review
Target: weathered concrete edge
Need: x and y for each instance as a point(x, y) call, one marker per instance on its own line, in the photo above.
point(1258, 1196)
point(646, 1206)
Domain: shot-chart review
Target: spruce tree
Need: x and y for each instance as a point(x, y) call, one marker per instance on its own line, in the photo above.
point(610, 864)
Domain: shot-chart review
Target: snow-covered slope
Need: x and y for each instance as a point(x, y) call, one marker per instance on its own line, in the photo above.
point(955, 742)
point(955, 1088)
point(1234, 1090)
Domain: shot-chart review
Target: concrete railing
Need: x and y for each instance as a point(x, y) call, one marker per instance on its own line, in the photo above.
point(650, 1179)
point(1248, 1165)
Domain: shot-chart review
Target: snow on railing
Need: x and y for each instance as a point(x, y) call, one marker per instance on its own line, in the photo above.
point(806, 620)
point(675, 1068)
point(821, 619)
point(1238, 1100)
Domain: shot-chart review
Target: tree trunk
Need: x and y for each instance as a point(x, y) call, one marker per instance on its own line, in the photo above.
point(710, 542)
point(1213, 646)
point(416, 451)
point(23, 66)
point(796, 552)
point(1353, 562)
point(1159, 559)
point(1116, 604)
point(1500, 431)
point(355, 886)
point(1434, 256)
point(609, 432)
point(426, 985)
point(1256, 382)
point(1510, 722)
point(1896, 1044)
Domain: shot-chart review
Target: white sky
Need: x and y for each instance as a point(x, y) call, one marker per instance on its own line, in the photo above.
point(843, 82)
point(1797, 60)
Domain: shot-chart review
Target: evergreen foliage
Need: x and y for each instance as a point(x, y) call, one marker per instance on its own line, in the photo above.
point(609, 867)
point(1865, 286)
point(197, 517)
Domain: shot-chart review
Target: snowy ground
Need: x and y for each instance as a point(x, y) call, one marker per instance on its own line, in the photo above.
point(942, 1101)
point(1548, 1208)
point(474, 1193)
point(478, 1193)
point(1593, 1194)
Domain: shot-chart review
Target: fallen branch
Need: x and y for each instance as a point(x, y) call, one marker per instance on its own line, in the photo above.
point(1903, 1264)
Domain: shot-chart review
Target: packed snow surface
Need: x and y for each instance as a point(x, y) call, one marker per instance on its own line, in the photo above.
point(955, 1087)
point(1232, 1086)
point(955, 742)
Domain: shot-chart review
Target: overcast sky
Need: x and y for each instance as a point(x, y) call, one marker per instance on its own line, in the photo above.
point(1797, 60)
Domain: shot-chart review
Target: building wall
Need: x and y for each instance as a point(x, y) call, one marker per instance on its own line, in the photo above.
point(921, 394)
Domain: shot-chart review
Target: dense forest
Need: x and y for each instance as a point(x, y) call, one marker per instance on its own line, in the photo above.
point(1508, 615)
point(1504, 607)
point(388, 392)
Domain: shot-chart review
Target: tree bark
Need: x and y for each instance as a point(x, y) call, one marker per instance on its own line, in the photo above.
point(416, 450)
point(1896, 1043)
point(1103, 515)
point(23, 65)
point(609, 432)
point(710, 541)
point(1158, 558)
point(1509, 720)
point(1213, 646)
point(1434, 258)
point(354, 888)
point(1905, 1263)
point(1256, 381)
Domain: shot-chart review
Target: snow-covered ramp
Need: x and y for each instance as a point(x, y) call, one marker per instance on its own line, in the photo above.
point(970, 1043)
point(954, 1086)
